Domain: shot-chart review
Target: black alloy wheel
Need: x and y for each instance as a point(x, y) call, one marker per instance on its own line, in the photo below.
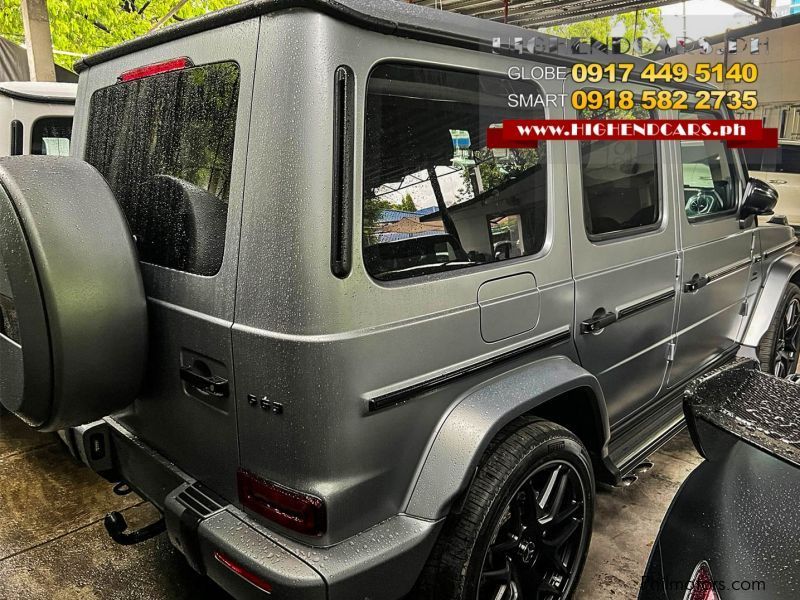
point(785, 358)
point(539, 539)
point(779, 349)
point(522, 529)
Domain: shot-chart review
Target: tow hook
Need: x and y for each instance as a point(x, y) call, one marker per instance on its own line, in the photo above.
point(116, 525)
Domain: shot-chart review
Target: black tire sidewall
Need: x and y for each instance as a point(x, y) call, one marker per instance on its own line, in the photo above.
point(560, 445)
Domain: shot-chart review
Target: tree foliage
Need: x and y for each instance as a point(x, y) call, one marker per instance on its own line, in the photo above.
point(88, 26)
point(648, 24)
point(407, 204)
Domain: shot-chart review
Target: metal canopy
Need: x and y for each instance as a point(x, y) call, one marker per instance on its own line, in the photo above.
point(539, 13)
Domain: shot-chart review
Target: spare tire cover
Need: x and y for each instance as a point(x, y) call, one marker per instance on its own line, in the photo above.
point(73, 314)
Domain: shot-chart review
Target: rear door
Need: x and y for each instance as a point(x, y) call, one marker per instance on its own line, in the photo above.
point(716, 256)
point(624, 255)
point(172, 147)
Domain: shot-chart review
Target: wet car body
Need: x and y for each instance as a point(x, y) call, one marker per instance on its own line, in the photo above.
point(306, 405)
point(736, 512)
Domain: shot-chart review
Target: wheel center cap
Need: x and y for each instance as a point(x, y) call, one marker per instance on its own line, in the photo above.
point(527, 550)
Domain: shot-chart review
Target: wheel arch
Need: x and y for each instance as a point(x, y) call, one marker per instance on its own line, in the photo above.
point(782, 271)
point(554, 388)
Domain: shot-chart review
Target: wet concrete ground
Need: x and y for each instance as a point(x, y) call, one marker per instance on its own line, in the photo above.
point(53, 545)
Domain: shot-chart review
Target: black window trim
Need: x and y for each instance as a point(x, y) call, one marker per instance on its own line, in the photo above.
point(17, 138)
point(547, 244)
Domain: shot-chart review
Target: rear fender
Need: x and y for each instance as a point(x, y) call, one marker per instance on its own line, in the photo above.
point(478, 417)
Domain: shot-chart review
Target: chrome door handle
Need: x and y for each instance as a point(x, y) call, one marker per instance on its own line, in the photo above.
point(695, 283)
point(598, 322)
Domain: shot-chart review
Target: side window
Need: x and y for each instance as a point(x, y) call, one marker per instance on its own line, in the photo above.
point(620, 181)
point(709, 175)
point(51, 135)
point(436, 198)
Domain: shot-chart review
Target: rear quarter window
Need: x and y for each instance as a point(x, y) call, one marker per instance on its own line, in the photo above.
point(164, 143)
point(436, 199)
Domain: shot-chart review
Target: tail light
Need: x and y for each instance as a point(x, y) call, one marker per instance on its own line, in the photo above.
point(257, 581)
point(294, 510)
point(701, 586)
point(175, 64)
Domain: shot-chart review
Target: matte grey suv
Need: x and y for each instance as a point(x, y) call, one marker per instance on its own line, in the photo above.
point(347, 350)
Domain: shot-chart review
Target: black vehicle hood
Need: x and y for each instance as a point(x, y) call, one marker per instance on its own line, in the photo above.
point(738, 511)
point(740, 515)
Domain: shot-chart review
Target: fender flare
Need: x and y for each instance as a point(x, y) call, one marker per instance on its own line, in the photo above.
point(476, 419)
point(778, 277)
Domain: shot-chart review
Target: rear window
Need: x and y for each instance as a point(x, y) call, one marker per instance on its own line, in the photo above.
point(165, 145)
point(51, 135)
point(436, 199)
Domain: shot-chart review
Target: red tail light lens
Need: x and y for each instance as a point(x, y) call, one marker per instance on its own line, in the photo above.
point(701, 586)
point(257, 581)
point(294, 510)
point(176, 64)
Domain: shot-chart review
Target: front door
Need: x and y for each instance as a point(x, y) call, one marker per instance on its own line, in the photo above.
point(624, 261)
point(717, 254)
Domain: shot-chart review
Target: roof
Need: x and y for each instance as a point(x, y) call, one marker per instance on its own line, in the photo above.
point(391, 215)
point(757, 27)
point(539, 13)
point(389, 17)
point(40, 91)
point(762, 26)
point(384, 238)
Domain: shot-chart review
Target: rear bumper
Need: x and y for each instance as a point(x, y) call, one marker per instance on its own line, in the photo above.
point(381, 563)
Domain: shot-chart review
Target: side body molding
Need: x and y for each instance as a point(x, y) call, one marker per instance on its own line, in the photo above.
point(476, 419)
point(779, 275)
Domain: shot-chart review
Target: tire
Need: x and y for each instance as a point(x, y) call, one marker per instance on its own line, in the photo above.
point(73, 312)
point(524, 457)
point(778, 350)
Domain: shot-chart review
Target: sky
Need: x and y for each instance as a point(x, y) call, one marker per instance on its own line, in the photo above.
point(705, 18)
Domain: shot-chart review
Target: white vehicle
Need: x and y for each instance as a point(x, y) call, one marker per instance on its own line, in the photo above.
point(780, 167)
point(36, 117)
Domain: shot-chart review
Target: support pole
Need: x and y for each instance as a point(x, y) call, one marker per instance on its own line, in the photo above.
point(38, 41)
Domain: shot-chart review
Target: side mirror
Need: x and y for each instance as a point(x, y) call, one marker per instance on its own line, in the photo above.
point(759, 199)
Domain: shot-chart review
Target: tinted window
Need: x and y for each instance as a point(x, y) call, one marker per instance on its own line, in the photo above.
point(51, 135)
point(709, 182)
point(165, 145)
point(620, 182)
point(435, 198)
point(783, 159)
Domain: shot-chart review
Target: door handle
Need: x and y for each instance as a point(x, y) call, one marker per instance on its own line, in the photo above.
point(695, 283)
point(207, 383)
point(598, 322)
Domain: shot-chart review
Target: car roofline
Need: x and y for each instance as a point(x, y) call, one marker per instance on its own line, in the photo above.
point(40, 98)
point(388, 17)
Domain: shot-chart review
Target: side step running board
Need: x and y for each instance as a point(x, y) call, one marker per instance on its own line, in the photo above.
point(116, 525)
